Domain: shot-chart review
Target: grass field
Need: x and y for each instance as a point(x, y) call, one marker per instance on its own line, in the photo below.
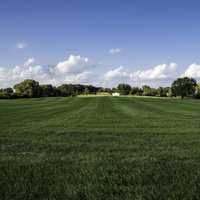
point(99, 148)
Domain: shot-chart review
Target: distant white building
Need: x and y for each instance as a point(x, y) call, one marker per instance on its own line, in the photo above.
point(116, 94)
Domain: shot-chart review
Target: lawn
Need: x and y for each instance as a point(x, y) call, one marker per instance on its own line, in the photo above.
point(99, 148)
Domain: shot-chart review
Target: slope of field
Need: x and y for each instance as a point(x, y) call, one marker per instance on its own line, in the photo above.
point(99, 148)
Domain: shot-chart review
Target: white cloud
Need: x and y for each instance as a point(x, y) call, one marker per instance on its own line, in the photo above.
point(74, 65)
point(193, 71)
point(73, 70)
point(28, 70)
point(158, 72)
point(29, 62)
point(79, 69)
point(114, 51)
point(21, 45)
point(117, 73)
point(83, 77)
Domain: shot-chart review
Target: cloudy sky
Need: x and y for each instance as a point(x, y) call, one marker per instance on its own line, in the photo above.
point(100, 42)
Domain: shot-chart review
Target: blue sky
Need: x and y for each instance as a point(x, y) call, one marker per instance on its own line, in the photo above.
point(112, 41)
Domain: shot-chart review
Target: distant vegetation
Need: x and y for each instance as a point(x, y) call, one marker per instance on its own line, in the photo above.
point(181, 87)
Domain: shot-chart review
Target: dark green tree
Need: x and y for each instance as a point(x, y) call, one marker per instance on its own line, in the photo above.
point(67, 90)
point(148, 91)
point(6, 93)
point(48, 91)
point(6, 90)
point(184, 87)
point(167, 91)
point(124, 89)
point(113, 90)
point(86, 92)
point(28, 88)
point(136, 91)
point(163, 91)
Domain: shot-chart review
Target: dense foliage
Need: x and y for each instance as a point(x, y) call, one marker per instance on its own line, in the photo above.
point(31, 88)
point(124, 89)
point(28, 88)
point(183, 87)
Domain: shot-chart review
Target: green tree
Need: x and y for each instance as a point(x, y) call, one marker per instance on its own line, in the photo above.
point(136, 91)
point(6, 90)
point(148, 91)
point(86, 92)
point(184, 87)
point(6, 93)
point(160, 92)
point(113, 90)
point(28, 88)
point(197, 91)
point(66, 90)
point(163, 91)
point(124, 89)
point(48, 91)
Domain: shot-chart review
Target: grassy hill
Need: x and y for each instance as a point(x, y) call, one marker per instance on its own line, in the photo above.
point(99, 148)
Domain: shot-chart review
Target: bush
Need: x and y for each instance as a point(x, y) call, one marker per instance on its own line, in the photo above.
point(6, 96)
point(197, 96)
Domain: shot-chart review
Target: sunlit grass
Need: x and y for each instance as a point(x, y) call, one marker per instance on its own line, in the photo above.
point(99, 148)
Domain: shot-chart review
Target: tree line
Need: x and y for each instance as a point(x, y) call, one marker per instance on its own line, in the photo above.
point(31, 88)
point(183, 87)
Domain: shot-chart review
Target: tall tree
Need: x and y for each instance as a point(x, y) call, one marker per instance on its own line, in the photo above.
point(124, 89)
point(28, 88)
point(136, 91)
point(66, 90)
point(6, 90)
point(6, 93)
point(184, 87)
point(163, 91)
point(148, 91)
point(47, 90)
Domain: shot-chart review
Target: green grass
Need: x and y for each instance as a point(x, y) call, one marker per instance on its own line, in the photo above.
point(99, 148)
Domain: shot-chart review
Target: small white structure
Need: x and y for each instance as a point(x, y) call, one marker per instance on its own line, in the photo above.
point(115, 94)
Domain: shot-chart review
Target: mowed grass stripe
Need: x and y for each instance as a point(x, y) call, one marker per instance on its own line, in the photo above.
point(160, 112)
point(160, 107)
point(100, 148)
point(40, 113)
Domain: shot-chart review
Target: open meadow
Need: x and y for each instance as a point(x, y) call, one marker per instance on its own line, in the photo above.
point(99, 148)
